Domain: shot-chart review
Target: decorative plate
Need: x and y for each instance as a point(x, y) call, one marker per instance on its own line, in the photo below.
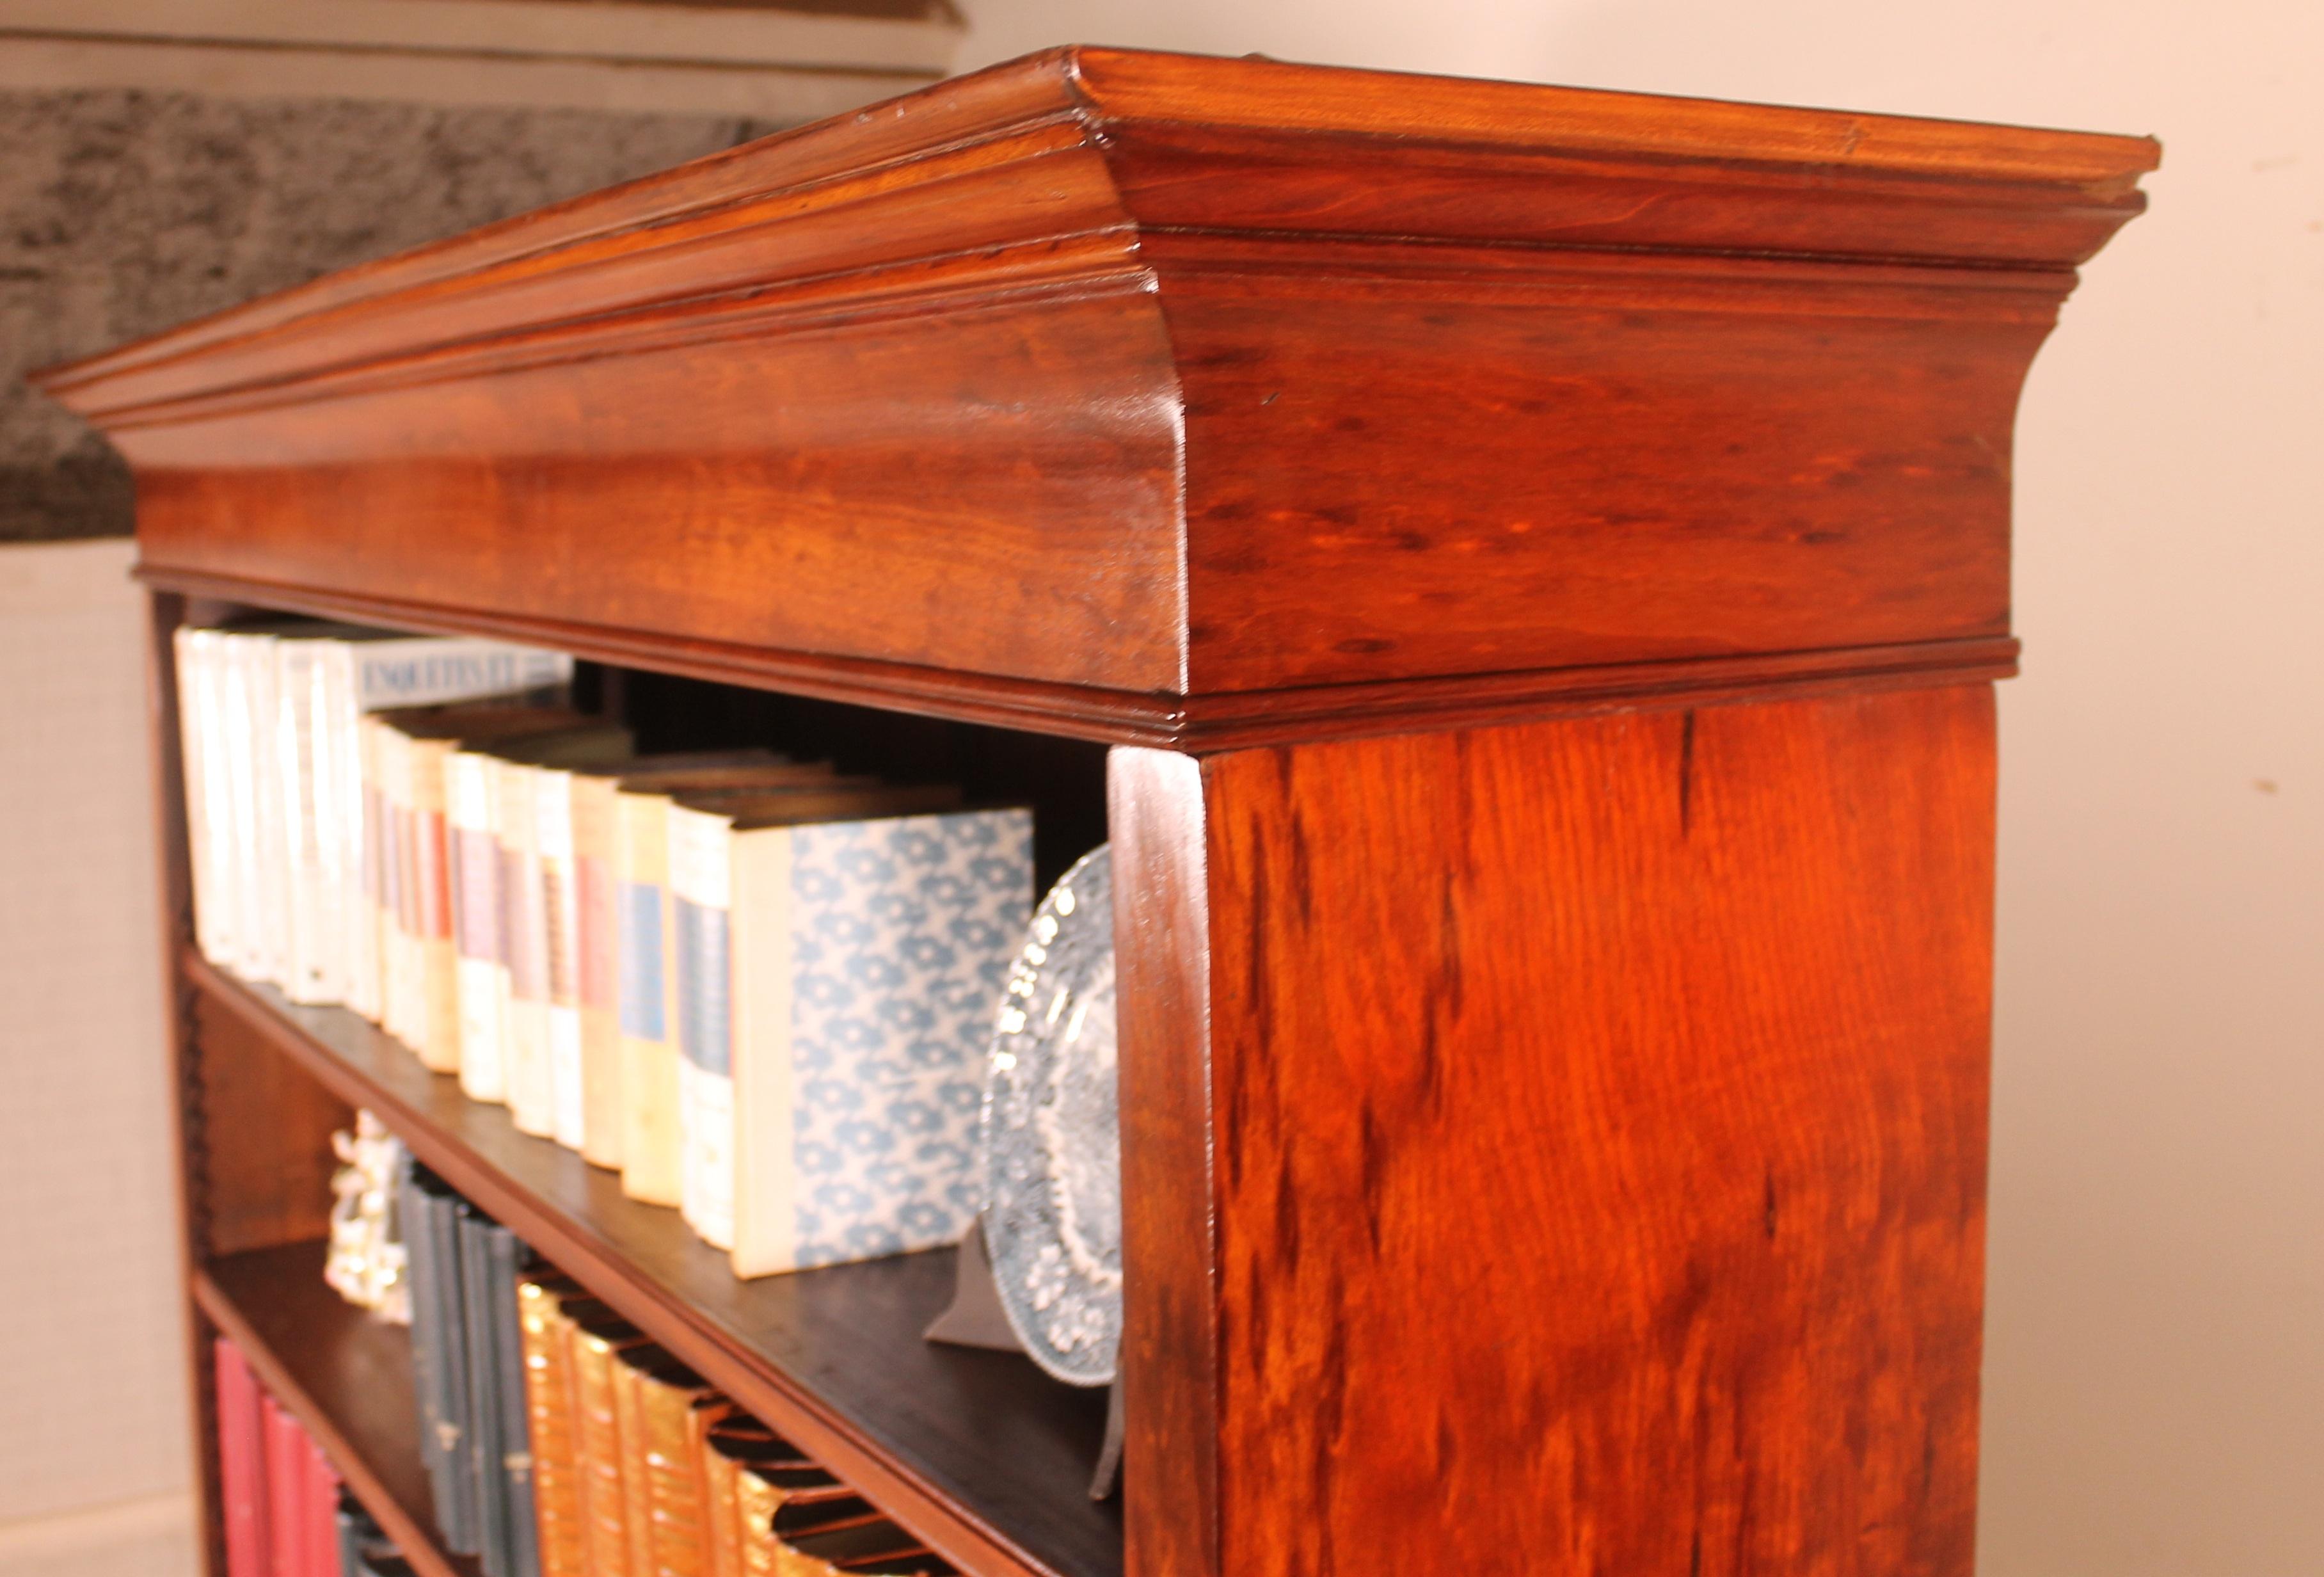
point(1053, 1138)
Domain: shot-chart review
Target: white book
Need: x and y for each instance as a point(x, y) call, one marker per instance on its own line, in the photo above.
point(560, 912)
point(701, 891)
point(209, 797)
point(836, 986)
point(523, 979)
point(261, 884)
point(468, 792)
point(315, 955)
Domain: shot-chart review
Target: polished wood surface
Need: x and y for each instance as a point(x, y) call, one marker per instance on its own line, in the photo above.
point(1541, 554)
point(978, 1452)
point(344, 1375)
point(1099, 388)
point(1587, 1122)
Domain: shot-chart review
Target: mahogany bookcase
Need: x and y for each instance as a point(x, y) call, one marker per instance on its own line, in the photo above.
point(1535, 560)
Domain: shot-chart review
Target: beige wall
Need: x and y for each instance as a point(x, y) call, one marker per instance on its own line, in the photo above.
point(94, 1475)
point(2155, 1382)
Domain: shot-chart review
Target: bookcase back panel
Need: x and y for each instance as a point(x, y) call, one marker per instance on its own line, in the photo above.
point(266, 1163)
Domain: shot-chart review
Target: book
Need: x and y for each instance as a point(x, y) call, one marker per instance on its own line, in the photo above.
point(241, 1465)
point(667, 1459)
point(208, 799)
point(440, 1363)
point(836, 966)
point(599, 1337)
point(491, 1258)
point(253, 857)
point(288, 1483)
point(559, 1530)
point(321, 1543)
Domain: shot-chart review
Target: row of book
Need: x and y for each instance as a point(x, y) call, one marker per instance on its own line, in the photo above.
point(287, 1514)
point(269, 712)
point(760, 990)
point(563, 1443)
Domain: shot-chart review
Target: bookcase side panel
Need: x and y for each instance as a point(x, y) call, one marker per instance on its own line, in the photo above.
point(1598, 1124)
point(1169, 1360)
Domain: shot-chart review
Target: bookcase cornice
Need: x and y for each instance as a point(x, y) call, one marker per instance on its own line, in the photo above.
point(1139, 390)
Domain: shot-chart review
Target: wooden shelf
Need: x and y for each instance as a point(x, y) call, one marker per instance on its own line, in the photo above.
point(978, 1452)
point(346, 1376)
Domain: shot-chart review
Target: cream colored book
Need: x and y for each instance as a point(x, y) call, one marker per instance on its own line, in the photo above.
point(560, 951)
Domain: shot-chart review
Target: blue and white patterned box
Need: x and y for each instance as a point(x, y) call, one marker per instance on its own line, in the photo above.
point(866, 959)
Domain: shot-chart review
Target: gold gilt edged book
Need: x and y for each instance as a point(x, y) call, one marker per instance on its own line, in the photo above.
point(1539, 558)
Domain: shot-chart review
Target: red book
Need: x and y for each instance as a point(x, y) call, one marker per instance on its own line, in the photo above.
point(322, 1515)
point(241, 1465)
point(286, 1492)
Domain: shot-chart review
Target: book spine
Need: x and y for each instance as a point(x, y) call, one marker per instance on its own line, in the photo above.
point(286, 1490)
point(637, 1490)
point(436, 990)
point(486, 1474)
point(597, 961)
point(395, 940)
point(241, 1465)
point(459, 1512)
point(321, 1523)
point(413, 1208)
point(721, 1538)
point(509, 1255)
point(673, 1465)
point(346, 834)
point(652, 1144)
point(257, 857)
point(560, 1537)
point(603, 1500)
point(310, 942)
point(366, 966)
point(561, 902)
point(899, 1058)
point(764, 1215)
point(190, 650)
point(524, 939)
point(476, 923)
point(429, 670)
point(701, 896)
point(756, 1502)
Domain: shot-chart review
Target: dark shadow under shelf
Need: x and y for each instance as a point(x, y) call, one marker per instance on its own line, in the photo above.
point(978, 1452)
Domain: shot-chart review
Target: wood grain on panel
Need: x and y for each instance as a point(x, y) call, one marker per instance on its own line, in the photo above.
point(1598, 1112)
point(268, 1160)
point(1128, 382)
point(1170, 1314)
